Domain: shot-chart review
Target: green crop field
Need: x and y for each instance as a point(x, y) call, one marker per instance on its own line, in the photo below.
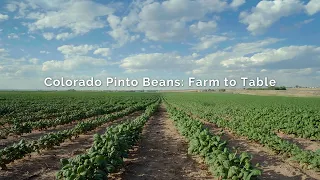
point(136, 135)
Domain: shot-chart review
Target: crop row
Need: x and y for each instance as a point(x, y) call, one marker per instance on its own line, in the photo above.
point(222, 163)
point(36, 107)
point(24, 106)
point(44, 110)
point(247, 123)
point(107, 152)
point(49, 111)
point(298, 116)
point(27, 127)
point(23, 148)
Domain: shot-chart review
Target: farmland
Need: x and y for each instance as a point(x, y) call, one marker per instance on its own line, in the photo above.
point(127, 135)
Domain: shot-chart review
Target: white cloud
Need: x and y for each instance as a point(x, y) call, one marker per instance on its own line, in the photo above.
point(44, 52)
point(184, 10)
point(313, 7)
point(21, 7)
point(203, 27)
point(195, 55)
point(266, 13)
point(78, 16)
point(119, 30)
point(64, 36)
point(307, 21)
point(158, 31)
point(253, 47)
point(155, 46)
point(34, 60)
point(75, 50)
point(21, 67)
point(274, 55)
point(2, 51)
point(166, 21)
point(103, 51)
point(212, 62)
point(48, 36)
point(11, 7)
point(157, 61)
point(13, 36)
point(73, 63)
point(207, 42)
point(3, 17)
point(237, 3)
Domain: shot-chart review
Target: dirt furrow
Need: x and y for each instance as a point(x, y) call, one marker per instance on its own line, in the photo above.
point(303, 143)
point(161, 154)
point(36, 134)
point(273, 166)
point(47, 163)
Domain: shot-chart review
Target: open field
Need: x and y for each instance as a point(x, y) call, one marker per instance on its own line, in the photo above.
point(299, 92)
point(191, 135)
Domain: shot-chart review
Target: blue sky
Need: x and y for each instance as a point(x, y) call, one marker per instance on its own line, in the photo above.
point(207, 39)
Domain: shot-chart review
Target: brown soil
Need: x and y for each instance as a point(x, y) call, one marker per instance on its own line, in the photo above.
point(46, 164)
point(273, 166)
point(305, 144)
point(161, 154)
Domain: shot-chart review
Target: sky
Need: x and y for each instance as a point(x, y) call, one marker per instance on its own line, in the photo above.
point(167, 39)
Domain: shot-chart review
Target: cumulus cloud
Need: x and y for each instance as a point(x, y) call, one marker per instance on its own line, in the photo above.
point(313, 7)
point(75, 50)
point(17, 67)
point(266, 13)
point(237, 3)
point(207, 42)
point(273, 55)
point(119, 30)
point(103, 51)
point(166, 21)
point(48, 36)
point(76, 58)
point(11, 7)
point(157, 61)
point(79, 17)
point(73, 63)
point(212, 62)
point(3, 17)
point(257, 55)
point(253, 47)
point(13, 36)
point(203, 27)
point(44, 52)
point(34, 60)
point(190, 22)
point(64, 36)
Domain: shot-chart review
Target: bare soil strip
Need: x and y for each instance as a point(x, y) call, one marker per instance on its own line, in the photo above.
point(303, 143)
point(36, 134)
point(161, 154)
point(46, 165)
point(273, 166)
